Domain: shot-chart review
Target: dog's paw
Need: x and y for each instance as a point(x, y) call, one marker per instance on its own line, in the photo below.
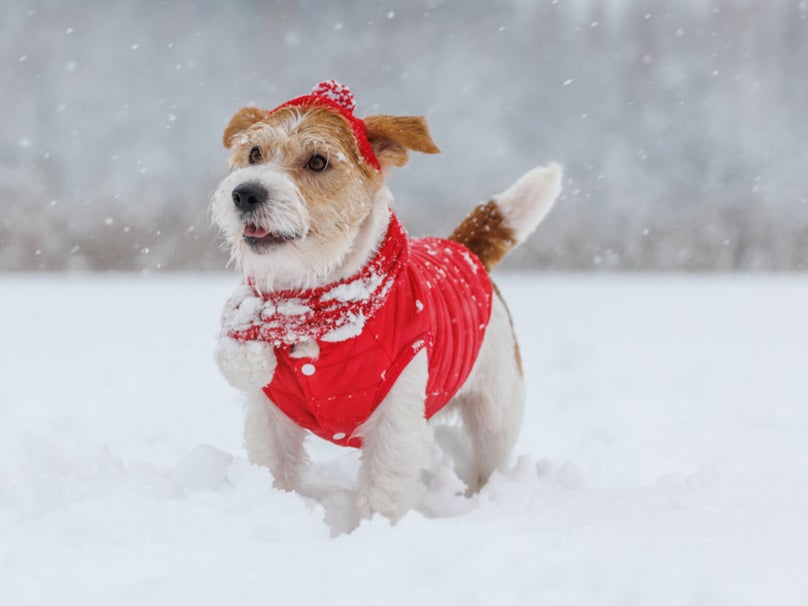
point(371, 502)
point(245, 364)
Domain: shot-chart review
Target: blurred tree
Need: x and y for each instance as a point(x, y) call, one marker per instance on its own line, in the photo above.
point(681, 124)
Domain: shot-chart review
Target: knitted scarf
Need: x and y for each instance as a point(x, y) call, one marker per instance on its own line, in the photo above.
point(334, 312)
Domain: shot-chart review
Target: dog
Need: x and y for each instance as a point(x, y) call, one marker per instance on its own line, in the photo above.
point(345, 327)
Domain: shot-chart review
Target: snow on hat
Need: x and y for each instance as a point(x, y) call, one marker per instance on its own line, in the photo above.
point(338, 97)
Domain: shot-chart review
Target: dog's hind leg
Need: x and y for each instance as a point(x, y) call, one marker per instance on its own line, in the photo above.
point(394, 445)
point(272, 439)
point(491, 403)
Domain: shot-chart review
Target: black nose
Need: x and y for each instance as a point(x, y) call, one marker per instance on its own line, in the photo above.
point(248, 196)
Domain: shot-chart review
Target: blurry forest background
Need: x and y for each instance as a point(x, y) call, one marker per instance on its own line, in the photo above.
point(681, 123)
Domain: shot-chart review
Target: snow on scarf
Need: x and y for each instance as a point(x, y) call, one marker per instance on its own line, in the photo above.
point(334, 312)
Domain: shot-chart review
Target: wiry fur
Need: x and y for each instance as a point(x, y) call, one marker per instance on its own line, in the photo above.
point(332, 223)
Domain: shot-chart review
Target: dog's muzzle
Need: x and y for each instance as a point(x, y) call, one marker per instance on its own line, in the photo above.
point(249, 197)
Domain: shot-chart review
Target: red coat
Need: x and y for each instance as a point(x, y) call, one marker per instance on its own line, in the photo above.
point(436, 296)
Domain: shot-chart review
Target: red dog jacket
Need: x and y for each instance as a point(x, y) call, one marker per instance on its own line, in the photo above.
point(425, 293)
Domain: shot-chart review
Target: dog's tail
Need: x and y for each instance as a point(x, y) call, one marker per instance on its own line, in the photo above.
point(496, 227)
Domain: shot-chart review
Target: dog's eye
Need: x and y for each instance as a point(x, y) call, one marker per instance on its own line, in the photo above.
point(255, 155)
point(317, 163)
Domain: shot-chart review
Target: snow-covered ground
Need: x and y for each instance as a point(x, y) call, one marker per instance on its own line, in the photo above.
point(664, 458)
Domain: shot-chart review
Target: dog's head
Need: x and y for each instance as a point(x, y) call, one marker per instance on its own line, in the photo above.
point(303, 180)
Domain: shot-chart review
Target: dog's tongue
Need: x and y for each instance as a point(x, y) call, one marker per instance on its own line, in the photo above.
point(253, 231)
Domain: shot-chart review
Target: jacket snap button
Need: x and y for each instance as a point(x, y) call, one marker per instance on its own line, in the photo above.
point(338, 436)
point(307, 369)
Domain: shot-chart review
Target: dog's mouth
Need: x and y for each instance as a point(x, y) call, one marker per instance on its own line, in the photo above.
point(257, 236)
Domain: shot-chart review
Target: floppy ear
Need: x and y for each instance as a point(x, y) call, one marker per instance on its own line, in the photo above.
point(391, 137)
point(241, 121)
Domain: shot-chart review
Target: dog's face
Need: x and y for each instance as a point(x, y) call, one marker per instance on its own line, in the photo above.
point(299, 189)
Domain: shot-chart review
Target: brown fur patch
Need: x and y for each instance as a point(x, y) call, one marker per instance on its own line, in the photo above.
point(392, 136)
point(485, 233)
point(240, 122)
point(517, 354)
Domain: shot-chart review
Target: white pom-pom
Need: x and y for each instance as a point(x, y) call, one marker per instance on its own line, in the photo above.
point(245, 364)
point(337, 92)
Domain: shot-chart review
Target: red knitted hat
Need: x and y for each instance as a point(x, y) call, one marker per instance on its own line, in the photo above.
point(338, 97)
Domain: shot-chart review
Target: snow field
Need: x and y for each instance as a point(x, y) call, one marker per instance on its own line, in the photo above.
point(663, 458)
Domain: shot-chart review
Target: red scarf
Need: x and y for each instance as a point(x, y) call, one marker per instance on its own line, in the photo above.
point(333, 312)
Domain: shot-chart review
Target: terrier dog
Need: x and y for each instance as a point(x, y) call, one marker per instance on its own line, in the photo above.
point(343, 326)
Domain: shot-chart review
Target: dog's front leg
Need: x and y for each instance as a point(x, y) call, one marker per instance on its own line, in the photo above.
point(270, 437)
point(394, 443)
point(273, 440)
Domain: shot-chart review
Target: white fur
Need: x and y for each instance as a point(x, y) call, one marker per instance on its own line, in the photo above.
point(287, 214)
point(491, 402)
point(394, 445)
point(309, 261)
point(525, 203)
point(366, 238)
point(273, 440)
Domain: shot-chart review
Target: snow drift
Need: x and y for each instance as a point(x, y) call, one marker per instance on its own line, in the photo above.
point(663, 459)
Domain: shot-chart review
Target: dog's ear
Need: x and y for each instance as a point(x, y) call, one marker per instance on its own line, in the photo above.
point(241, 121)
point(392, 136)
